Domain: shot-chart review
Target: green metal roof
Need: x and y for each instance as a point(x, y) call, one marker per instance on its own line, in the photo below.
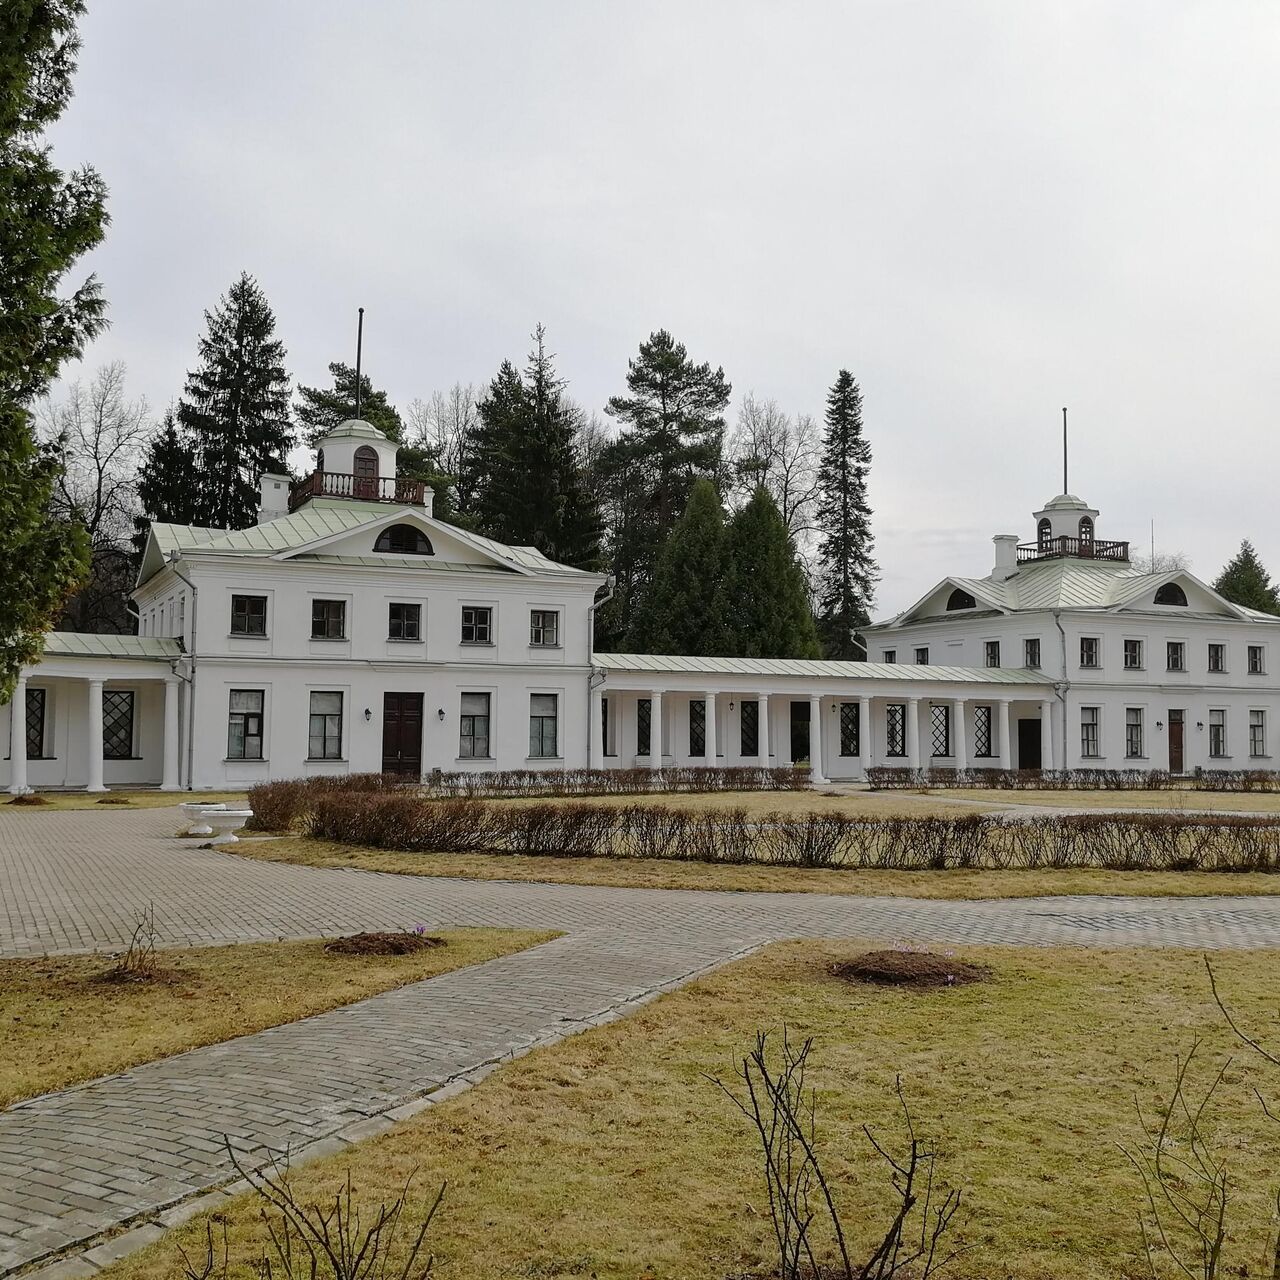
point(818, 668)
point(72, 644)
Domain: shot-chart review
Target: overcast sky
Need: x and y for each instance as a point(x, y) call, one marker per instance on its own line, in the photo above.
point(984, 211)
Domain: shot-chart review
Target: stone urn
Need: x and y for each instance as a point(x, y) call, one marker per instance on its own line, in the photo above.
point(197, 821)
point(226, 822)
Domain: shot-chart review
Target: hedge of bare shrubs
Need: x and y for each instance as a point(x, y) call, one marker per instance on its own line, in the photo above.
point(890, 778)
point(1130, 842)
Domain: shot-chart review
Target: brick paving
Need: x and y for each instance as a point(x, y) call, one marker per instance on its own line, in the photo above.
point(126, 1149)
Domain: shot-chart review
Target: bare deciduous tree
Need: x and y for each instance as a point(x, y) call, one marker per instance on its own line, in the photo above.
point(445, 424)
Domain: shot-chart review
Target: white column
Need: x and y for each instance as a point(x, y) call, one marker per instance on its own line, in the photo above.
point(959, 739)
point(866, 748)
point(18, 739)
point(1046, 734)
point(710, 703)
point(93, 743)
point(655, 729)
point(817, 773)
point(169, 778)
point(1006, 747)
point(913, 733)
point(595, 730)
point(763, 730)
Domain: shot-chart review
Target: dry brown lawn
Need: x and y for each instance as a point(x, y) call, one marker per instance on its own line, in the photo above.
point(60, 1023)
point(611, 1155)
point(655, 873)
point(122, 799)
point(1174, 800)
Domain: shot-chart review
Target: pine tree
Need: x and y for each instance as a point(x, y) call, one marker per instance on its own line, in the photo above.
point(673, 432)
point(236, 406)
point(166, 492)
point(847, 573)
point(764, 598)
point(320, 409)
point(682, 611)
point(525, 471)
point(1244, 581)
point(49, 221)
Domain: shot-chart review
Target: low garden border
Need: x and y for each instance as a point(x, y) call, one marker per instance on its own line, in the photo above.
point(893, 778)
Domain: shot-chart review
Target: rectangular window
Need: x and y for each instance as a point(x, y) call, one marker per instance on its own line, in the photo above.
point(542, 726)
point(248, 615)
point(850, 729)
point(1218, 734)
point(1256, 665)
point(244, 724)
point(644, 723)
point(1257, 733)
point(1031, 653)
point(1177, 655)
point(1133, 733)
point(324, 735)
point(328, 619)
point(544, 628)
point(1133, 655)
point(991, 651)
point(895, 715)
point(922, 656)
point(982, 731)
point(473, 742)
point(940, 727)
point(1089, 648)
point(890, 656)
point(404, 621)
point(606, 742)
point(117, 724)
point(1089, 745)
point(750, 729)
point(697, 728)
point(1217, 657)
point(36, 705)
point(477, 624)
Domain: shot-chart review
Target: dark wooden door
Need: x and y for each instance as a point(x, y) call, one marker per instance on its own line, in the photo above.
point(1028, 744)
point(364, 483)
point(402, 733)
point(800, 730)
point(1177, 723)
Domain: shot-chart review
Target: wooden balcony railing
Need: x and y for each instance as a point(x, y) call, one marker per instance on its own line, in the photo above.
point(1073, 549)
point(333, 484)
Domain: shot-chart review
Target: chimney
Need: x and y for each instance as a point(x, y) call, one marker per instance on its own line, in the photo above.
point(273, 496)
point(428, 498)
point(1006, 556)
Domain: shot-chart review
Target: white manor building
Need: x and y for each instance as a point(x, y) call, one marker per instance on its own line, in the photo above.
point(351, 631)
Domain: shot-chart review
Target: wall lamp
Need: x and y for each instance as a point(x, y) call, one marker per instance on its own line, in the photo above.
point(1200, 725)
point(368, 715)
point(1159, 724)
point(440, 712)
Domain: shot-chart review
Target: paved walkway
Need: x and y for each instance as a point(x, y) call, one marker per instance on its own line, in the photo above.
point(127, 1148)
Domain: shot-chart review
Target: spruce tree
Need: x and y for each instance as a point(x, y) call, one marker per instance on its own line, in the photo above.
point(673, 432)
point(48, 221)
point(320, 409)
point(847, 573)
point(1244, 581)
point(682, 611)
point(167, 492)
point(764, 597)
point(236, 406)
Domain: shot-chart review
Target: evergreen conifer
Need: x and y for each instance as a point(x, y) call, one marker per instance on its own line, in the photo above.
point(1244, 581)
point(166, 493)
point(320, 409)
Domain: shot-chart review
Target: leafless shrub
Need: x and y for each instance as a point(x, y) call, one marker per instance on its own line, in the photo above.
point(138, 963)
point(773, 1094)
point(901, 778)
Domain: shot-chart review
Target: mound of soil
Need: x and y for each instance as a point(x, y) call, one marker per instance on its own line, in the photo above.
point(30, 799)
point(382, 944)
point(113, 800)
point(911, 969)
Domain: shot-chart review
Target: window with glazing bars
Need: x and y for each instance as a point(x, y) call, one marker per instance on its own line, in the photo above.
point(644, 722)
point(698, 728)
point(1089, 733)
point(328, 619)
point(542, 725)
point(117, 724)
point(248, 615)
point(1217, 657)
point(1255, 660)
point(1177, 655)
point(473, 739)
point(1133, 655)
point(750, 728)
point(991, 648)
point(404, 621)
point(922, 656)
point(896, 729)
point(1031, 653)
point(940, 728)
point(1088, 651)
point(477, 624)
point(982, 731)
point(244, 725)
point(324, 730)
point(544, 628)
point(850, 727)
point(1217, 734)
point(36, 704)
point(1257, 733)
point(1133, 732)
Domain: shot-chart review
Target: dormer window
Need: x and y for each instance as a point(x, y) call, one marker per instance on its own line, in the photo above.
point(960, 600)
point(1173, 594)
point(1086, 528)
point(404, 540)
point(1044, 531)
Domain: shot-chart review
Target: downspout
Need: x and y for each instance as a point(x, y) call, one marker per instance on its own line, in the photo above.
point(191, 681)
point(1062, 685)
point(595, 678)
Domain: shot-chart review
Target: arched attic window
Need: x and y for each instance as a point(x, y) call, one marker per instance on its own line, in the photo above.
point(1044, 531)
point(1171, 593)
point(1086, 528)
point(960, 600)
point(404, 540)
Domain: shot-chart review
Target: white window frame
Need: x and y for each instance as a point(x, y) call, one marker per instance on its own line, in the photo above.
point(1258, 740)
point(1097, 753)
point(1224, 751)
